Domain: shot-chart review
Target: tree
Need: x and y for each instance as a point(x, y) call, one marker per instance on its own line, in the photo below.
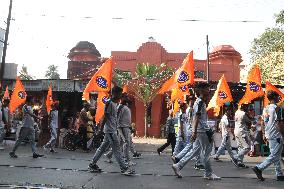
point(52, 72)
point(146, 82)
point(24, 74)
point(267, 51)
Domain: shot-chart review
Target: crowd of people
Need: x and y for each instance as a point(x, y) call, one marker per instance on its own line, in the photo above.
point(192, 141)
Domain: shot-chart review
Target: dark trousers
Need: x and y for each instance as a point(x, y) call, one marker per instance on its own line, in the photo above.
point(171, 140)
point(83, 136)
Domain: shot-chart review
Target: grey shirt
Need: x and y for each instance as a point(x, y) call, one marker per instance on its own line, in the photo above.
point(241, 123)
point(111, 117)
point(271, 128)
point(199, 108)
point(170, 125)
point(28, 120)
point(124, 116)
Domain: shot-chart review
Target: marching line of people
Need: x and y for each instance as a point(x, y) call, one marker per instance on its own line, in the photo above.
point(194, 139)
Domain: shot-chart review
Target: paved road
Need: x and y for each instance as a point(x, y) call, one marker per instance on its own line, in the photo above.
point(69, 170)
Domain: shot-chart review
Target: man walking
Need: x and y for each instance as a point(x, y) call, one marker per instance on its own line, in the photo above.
point(27, 130)
point(200, 133)
point(110, 138)
point(53, 126)
point(171, 135)
point(272, 133)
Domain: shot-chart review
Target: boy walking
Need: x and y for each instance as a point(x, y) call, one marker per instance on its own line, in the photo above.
point(274, 137)
point(110, 138)
point(27, 130)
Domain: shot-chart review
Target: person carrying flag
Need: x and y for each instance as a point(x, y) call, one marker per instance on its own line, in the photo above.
point(27, 130)
point(109, 124)
point(272, 133)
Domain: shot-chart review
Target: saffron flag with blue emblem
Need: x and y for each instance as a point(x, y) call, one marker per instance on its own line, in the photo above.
point(102, 99)
point(18, 97)
point(270, 87)
point(253, 88)
point(221, 96)
point(183, 76)
point(101, 81)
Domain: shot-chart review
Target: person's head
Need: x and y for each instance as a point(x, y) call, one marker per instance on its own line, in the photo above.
point(116, 93)
point(55, 105)
point(29, 100)
point(244, 107)
point(183, 107)
point(202, 91)
point(125, 99)
point(272, 96)
point(6, 102)
point(86, 106)
point(190, 100)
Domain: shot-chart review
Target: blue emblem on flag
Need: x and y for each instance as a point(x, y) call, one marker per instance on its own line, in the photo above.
point(183, 77)
point(183, 88)
point(105, 99)
point(254, 86)
point(101, 82)
point(222, 95)
point(21, 94)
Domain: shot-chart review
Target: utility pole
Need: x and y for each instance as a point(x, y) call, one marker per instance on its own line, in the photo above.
point(5, 43)
point(207, 70)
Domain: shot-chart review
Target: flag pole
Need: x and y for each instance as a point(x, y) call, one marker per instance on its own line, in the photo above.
point(207, 68)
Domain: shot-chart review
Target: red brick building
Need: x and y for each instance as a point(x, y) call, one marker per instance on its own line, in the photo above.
point(224, 59)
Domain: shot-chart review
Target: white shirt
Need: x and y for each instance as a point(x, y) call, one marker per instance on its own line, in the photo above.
point(241, 120)
point(224, 125)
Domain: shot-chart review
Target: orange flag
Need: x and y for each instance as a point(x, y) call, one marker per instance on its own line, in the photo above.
point(183, 76)
point(18, 97)
point(6, 94)
point(179, 93)
point(49, 100)
point(125, 89)
point(101, 81)
point(221, 96)
point(253, 89)
point(270, 87)
point(102, 99)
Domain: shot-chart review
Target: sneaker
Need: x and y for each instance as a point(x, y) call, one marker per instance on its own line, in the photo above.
point(216, 158)
point(13, 155)
point(137, 155)
point(35, 155)
point(128, 172)
point(241, 165)
point(199, 167)
point(52, 151)
point(235, 162)
point(108, 159)
point(258, 173)
point(177, 171)
point(212, 177)
point(175, 159)
point(159, 152)
point(94, 168)
point(131, 163)
point(44, 148)
point(280, 178)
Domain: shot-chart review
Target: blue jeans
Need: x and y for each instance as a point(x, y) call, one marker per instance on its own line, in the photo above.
point(187, 149)
point(276, 147)
point(244, 143)
point(206, 147)
point(225, 144)
point(181, 144)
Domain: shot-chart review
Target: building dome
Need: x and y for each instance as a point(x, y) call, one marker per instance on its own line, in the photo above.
point(223, 48)
point(85, 46)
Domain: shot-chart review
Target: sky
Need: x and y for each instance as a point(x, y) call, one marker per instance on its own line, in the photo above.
point(43, 31)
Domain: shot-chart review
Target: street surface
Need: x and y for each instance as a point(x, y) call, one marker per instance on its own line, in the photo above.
point(69, 170)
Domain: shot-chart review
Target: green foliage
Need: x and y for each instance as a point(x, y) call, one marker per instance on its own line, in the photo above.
point(267, 51)
point(52, 72)
point(271, 67)
point(272, 40)
point(24, 74)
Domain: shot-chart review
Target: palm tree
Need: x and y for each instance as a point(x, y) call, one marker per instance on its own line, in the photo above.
point(146, 82)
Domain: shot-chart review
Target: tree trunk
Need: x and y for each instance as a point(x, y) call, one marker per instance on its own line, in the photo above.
point(145, 119)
